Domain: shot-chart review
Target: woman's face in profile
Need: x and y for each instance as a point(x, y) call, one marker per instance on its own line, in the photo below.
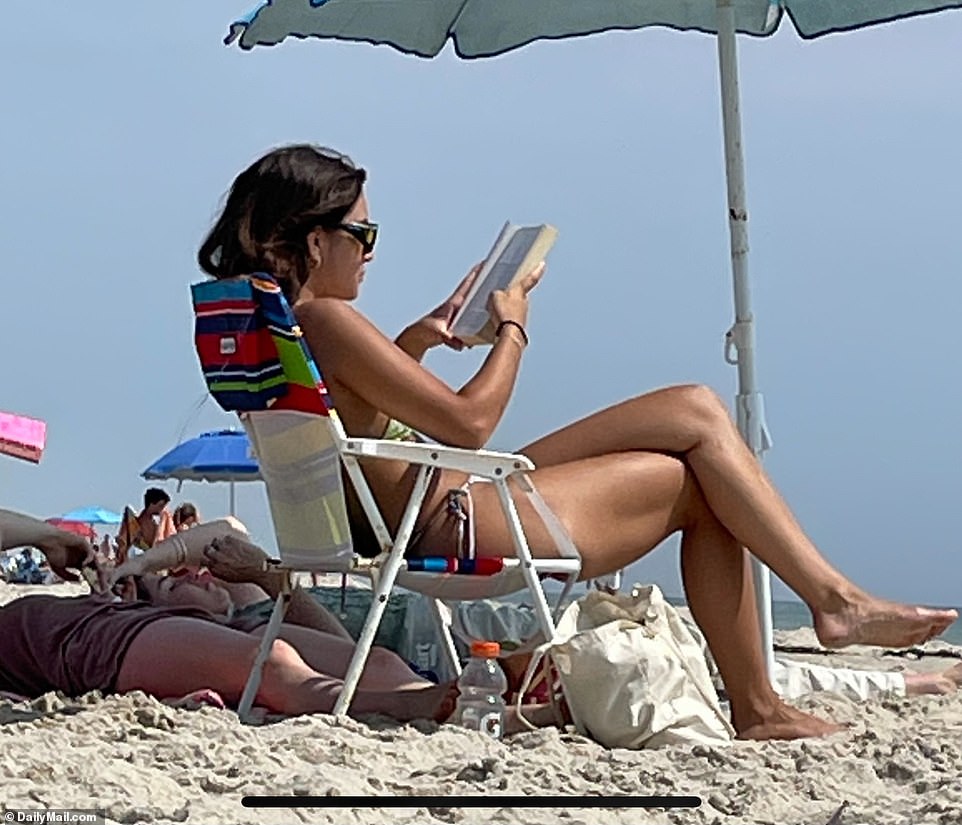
point(196, 588)
point(343, 258)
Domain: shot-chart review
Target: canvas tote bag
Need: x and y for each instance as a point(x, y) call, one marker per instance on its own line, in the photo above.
point(633, 675)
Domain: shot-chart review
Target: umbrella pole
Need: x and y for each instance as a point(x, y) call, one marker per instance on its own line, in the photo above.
point(740, 339)
point(232, 499)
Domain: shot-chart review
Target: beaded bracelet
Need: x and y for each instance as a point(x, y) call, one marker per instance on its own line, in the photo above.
point(180, 548)
point(515, 324)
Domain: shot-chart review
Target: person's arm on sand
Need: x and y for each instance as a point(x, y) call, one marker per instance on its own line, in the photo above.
point(61, 548)
point(184, 549)
point(236, 559)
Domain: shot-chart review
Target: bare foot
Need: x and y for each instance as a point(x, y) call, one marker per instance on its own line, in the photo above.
point(865, 620)
point(435, 702)
point(934, 684)
point(197, 699)
point(784, 722)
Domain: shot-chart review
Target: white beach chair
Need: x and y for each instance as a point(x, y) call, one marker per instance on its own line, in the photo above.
point(301, 453)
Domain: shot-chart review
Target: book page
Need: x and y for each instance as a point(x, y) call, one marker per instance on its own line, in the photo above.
point(508, 256)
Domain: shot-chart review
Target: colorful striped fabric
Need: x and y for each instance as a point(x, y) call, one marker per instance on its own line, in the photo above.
point(251, 349)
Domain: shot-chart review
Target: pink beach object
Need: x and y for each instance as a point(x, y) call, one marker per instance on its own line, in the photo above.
point(22, 437)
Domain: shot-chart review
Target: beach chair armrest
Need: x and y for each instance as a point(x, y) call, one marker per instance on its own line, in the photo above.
point(485, 463)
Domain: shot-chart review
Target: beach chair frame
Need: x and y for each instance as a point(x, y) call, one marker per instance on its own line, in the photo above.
point(300, 453)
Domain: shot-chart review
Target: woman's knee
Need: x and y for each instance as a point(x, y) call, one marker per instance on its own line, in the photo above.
point(283, 670)
point(381, 659)
point(705, 412)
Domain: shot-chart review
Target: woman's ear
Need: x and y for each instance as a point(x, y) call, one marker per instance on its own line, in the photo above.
point(316, 248)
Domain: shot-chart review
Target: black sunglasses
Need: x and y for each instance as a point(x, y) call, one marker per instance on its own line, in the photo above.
point(364, 233)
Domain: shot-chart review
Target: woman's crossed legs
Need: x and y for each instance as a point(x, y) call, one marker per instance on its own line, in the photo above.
point(627, 477)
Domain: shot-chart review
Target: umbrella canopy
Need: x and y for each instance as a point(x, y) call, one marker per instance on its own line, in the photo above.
point(483, 28)
point(220, 455)
point(92, 515)
point(79, 527)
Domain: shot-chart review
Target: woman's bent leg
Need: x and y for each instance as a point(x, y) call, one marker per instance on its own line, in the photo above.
point(616, 508)
point(718, 587)
point(693, 423)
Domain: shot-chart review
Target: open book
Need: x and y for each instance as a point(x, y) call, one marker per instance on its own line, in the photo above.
point(517, 251)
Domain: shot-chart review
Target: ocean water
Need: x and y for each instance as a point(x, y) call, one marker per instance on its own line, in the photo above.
point(786, 615)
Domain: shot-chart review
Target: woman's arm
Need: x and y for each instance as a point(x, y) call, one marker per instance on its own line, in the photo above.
point(243, 561)
point(184, 549)
point(61, 549)
point(357, 355)
point(166, 527)
point(434, 328)
point(20, 530)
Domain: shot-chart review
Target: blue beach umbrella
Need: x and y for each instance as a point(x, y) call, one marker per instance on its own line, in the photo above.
point(485, 28)
point(92, 515)
point(220, 455)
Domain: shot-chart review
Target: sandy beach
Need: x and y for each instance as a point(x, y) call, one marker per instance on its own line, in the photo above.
point(900, 762)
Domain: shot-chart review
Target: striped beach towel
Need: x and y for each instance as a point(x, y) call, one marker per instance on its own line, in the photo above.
point(251, 349)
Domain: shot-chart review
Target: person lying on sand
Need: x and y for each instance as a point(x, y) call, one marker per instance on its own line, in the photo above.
point(220, 569)
point(174, 641)
point(98, 642)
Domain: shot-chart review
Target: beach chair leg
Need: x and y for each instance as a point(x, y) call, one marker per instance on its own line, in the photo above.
point(270, 635)
point(441, 614)
point(383, 586)
point(364, 643)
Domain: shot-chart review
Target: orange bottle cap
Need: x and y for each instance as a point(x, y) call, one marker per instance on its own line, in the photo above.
point(489, 650)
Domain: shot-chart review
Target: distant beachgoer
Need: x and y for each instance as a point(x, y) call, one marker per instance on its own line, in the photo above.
point(620, 480)
point(140, 531)
point(186, 516)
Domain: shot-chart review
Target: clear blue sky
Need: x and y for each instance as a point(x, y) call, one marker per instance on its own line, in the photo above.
point(123, 127)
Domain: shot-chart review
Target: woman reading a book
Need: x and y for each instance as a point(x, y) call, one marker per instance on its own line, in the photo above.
point(620, 480)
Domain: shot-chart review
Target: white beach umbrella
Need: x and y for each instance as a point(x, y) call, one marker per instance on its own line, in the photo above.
point(485, 28)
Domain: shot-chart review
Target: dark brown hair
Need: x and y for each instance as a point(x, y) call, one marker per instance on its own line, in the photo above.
point(272, 206)
point(154, 495)
point(184, 512)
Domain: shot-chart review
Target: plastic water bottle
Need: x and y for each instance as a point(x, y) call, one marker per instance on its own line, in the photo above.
point(481, 691)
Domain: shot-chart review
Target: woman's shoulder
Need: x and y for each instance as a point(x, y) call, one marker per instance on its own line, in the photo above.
point(324, 308)
point(334, 316)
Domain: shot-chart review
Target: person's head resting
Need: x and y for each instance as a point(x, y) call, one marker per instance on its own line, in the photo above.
point(155, 501)
point(186, 516)
point(298, 213)
point(193, 588)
